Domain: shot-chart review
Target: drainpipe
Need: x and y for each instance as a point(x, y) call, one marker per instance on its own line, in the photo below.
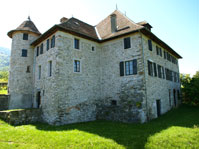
point(144, 77)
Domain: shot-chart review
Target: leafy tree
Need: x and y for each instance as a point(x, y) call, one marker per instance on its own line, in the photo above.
point(190, 88)
point(4, 75)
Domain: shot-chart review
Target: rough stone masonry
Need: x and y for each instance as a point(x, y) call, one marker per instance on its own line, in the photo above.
point(75, 72)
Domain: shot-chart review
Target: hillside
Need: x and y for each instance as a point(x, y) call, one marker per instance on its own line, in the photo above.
point(4, 58)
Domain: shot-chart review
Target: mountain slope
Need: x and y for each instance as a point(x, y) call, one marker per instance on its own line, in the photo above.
point(4, 58)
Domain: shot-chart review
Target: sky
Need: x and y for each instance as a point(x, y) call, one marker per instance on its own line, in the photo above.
point(176, 22)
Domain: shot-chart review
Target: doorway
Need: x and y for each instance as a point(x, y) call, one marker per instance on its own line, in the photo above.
point(158, 105)
point(174, 97)
point(38, 99)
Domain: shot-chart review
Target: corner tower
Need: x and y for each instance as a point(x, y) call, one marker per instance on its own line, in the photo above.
point(21, 65)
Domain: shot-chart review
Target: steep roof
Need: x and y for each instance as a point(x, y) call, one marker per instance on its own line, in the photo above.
point(78, 26)
point(124, 25)
point(102, 31)
point(25, 26)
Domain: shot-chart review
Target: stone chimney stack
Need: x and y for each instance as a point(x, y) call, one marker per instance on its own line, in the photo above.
point(63, 19)
point(113, 23)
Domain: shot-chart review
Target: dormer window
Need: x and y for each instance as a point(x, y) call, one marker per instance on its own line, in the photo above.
point(25, 36)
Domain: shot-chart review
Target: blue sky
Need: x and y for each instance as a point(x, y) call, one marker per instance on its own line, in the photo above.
point(176, 22)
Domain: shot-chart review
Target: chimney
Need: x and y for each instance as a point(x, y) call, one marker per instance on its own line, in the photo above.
point(63, 19)
point(113, 23)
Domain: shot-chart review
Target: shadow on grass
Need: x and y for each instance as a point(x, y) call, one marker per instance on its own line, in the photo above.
point(132, 135)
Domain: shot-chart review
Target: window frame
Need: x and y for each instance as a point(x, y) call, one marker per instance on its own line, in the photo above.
point(74, 43)
point(24, 54)
point(75, 66)
point(41, 48)
point(25, 36)
point(50, 68)
point(52, 45)
point(39, 72)
point(47, 44)
point(150, 45)
point(150, 67)
point(127, 42)
point(37, 52)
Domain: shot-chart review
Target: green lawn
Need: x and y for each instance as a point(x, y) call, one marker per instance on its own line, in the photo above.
point(178, 128)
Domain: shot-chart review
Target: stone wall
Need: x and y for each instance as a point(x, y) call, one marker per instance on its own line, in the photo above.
point(21, 116)
point(158, 88)
point(20, 81)
point(67, 96)
point(4, 100)
point(128, 90)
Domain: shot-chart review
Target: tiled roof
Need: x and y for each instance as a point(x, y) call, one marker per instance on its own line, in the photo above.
point(25, 26)
point(102, 31)
point(124, 25)
point(80, 27)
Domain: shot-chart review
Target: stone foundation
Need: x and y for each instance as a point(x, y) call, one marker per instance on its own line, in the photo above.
point(21, 116)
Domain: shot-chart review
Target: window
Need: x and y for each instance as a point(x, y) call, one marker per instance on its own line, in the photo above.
point(41, 48)
point(50, 68)
point(25, 36)
point(170, 97)
point(168, 74)
point(130, 67)
point(47, 44)
point(165, 55)
point(163, 73)
point(24, 53)
point(93, 48)
point(38, 51)
point(113, 102)
point(157, 50)
point(28, 69)
point(76, 43)
point(159, 71)
point(168, 57)
point(39, 75)
point(150, 45)
point(150, 68)
point(53, 42)
point(127, 43)
point(160, 52)
point(76, 66)
point(155, 71)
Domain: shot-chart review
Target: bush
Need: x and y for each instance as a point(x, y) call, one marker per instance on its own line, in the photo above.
point(190, 89)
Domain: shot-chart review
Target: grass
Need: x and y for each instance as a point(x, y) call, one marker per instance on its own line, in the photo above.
point(178, 128)
point(3, 92)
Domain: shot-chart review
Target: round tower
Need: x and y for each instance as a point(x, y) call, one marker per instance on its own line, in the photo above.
point(21, 65)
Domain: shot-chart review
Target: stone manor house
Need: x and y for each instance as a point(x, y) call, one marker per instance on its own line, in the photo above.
point(75, 72)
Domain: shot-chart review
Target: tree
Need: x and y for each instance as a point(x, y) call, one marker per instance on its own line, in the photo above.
point(190, 88)
point(4, 75)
